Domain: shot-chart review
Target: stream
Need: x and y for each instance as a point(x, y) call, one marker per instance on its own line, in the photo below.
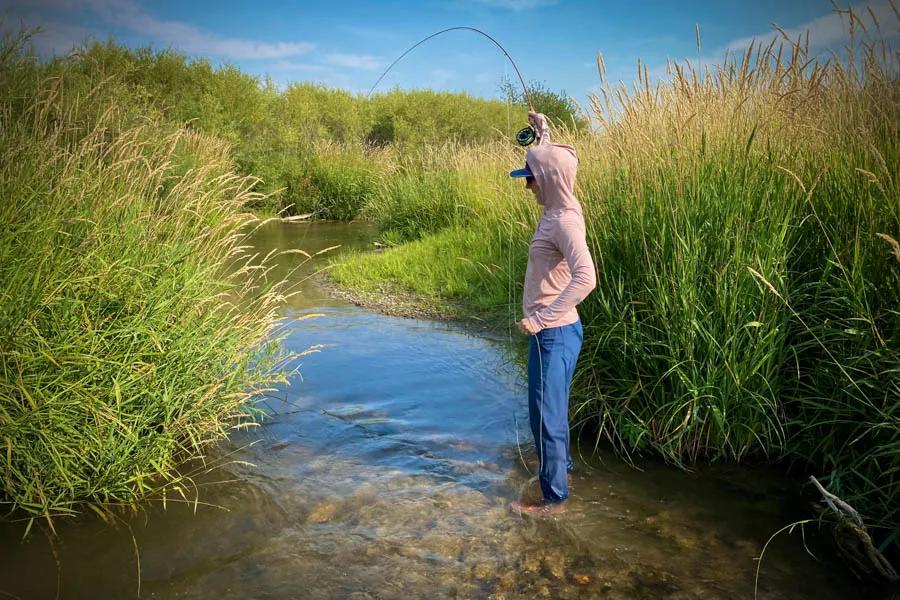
point(384, 470)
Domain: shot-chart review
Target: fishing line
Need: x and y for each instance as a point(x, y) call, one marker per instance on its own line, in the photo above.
point(525, 136)
point(510, 312)
point(541, 442)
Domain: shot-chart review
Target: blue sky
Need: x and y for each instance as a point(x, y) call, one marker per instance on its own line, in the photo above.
point(348, 44)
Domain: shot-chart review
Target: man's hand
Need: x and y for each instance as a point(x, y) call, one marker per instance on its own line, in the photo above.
point(526, 327)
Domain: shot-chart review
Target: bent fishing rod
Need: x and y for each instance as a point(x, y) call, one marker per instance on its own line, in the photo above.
point(525, 136)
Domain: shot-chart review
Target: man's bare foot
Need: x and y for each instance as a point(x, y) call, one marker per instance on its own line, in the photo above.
point(540, 510)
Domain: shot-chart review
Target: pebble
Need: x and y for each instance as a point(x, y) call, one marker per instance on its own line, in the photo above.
point(322, 513)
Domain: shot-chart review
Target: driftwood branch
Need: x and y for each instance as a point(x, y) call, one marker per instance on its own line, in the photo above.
point(831, 500)
point(853, 540)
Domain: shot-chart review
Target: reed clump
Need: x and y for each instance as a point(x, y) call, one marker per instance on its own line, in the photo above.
point(134, 332)
point(338, 180)
point(737, 214)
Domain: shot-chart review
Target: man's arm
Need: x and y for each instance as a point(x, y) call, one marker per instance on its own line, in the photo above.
point(570, 239)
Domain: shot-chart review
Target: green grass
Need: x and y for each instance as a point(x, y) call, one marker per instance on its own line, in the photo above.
point(129, 341)
point(337, 182)
point(469, 272)
point(279, 136)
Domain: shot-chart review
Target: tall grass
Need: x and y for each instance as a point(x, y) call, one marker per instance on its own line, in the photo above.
point(743, 219)
point(752, 295)
point(131, 335)
point(427, 191)
point(338, 180)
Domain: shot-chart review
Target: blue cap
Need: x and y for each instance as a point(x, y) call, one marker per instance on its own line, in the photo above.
point(526, 172)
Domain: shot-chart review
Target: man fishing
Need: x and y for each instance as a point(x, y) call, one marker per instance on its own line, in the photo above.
point(560, 274)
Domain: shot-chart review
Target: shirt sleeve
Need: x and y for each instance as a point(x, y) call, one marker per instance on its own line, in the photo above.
point(570, 240)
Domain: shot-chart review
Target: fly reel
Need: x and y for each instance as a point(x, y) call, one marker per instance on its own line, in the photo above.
point(526, 136)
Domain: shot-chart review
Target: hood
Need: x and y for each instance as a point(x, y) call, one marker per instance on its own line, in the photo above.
point(554, 167)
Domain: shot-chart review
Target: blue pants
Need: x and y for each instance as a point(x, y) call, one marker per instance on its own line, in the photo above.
point(552, 355)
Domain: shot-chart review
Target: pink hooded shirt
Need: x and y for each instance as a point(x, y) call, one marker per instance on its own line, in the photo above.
point(560, 271)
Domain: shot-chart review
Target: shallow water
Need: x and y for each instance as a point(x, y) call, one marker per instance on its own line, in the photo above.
point(385, 471)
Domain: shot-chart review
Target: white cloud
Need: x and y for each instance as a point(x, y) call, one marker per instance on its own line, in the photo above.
point(53, 38)
point(355, 61)
point(292, 65)
point(439, 78)
point(286, 60)
point(487, 77)
point(825, 31)
point(178, 34)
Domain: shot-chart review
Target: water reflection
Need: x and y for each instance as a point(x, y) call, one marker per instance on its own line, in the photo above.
point(328, 238)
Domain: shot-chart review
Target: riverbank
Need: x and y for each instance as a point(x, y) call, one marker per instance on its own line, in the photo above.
point(392, 300)
point(395, 301)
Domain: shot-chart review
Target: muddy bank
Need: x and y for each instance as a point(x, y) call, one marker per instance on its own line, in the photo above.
point(393, 301)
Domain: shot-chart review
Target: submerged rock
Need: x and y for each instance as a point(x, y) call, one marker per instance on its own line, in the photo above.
point(322, 512)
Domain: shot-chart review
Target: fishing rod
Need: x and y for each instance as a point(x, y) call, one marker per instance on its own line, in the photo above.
point(525, 136)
